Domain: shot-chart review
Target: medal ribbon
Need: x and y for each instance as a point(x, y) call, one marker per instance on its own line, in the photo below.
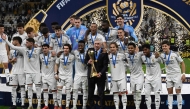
point(45, 40)
point(15, 54)
point(60, 42)
point(96, 56)
point(77, 34)
point(168, 60)
point(92, 38)
point(107, 36)
point(46, 61)
point(82, 58)
point(132, 59)
point(122, 45)
point(65, 60)
point(149, 60)
point(30, 54)
point(114, 60)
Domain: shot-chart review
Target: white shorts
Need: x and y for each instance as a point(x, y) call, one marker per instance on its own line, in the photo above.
point(68, 82)
point(119, 85)
point(3, 59)
point(136, 84)
point(154, 86)
point(80, 81)
point(33, 78)
point(17, 79)
point(174, 81)
point(49, 83)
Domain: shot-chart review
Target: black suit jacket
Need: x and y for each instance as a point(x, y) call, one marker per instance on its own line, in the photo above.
point(101, 65)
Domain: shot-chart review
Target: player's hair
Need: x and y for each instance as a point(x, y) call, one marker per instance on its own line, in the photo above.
point(73, 16)
point(54, 23)
point(132, 44)
point(146, 46)
point(125, 33)
point(45, 45)
point(29, 29)
point(166, 42)
point(19, 39)
point(30, 40)
point(1, 25)
point(121, 29)
point(106, 21)
point(43, 24)
point(98, 39)
point(82, 42)
point(120, 16)
point(77, 18)
point(20, 25)
point(57, 27)
point(68, 45)
point(45, 30)
point(94, 24)
point(113, 43)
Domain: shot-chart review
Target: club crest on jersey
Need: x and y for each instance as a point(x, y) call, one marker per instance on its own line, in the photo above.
point(132, 10)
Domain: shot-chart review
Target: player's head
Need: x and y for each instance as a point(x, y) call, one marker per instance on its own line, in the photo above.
point(166, 46)
point(131, 48)
point(67, 48)
point(72, 18)
point(120, 19)
point(97, 43)
point(53, 25)
point(2, 28)
point(146, 49)
point(93, 28)
point(121, 33)
point(17, 41)
point(45, 32)
point(81, 45)
point(113, 47)
point(30, 42)
point(42, 25)
point(45, 48)
point(20, 28)
point(58, 30)
point(30, 32)
point(77, 22)
point(105, 25)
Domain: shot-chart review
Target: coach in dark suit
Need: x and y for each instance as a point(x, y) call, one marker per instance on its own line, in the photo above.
point(101, 66)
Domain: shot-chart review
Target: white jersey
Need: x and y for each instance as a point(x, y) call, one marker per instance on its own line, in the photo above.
point(32, 64)
point(135, 64)
point(110, 36)
point(57, 43)
point(23, 36)
point(117, 68)
point(24, 42)
point(65, 65)
point(47, 70)
point(122, 48)
point(153, 70)
point(42, 40)
point(3, 50)
point(172, 63)
point(80, 67)
point(18, 66)
point(91, 39)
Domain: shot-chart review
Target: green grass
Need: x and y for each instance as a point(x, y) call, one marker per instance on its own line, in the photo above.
point(6, 107)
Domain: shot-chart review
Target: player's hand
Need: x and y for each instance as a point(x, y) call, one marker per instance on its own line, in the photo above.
point(90, 61)
point(56, 77)
point(157, 54)
point(59, 53)
point(53, 53)
point(99, 75)
point(183, 78)
point(14, 60)
point(3, 36)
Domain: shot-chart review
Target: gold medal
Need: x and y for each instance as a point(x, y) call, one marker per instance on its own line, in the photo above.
point(96, 60)
point(29, 59)
point(114, 66)
point(65, 67)
point(166, 66)
point(76, 40)
point(46, 66)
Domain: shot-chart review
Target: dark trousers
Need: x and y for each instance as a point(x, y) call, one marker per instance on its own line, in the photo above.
point(91, 87)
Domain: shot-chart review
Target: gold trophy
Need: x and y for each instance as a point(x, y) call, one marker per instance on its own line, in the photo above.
point(93, 69)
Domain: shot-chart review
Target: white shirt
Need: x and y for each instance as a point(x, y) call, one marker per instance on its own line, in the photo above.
point(42, 40)
point(173, 66)
point(23, 36)
point(3, 50)
point(91, 40)
point(153, 70)
point(135, 64)
point(18, 66)
point(65, 71)
point(117, 72)
point(55, 45)
point(122, 48)
point(47, 70)
point(80, 67)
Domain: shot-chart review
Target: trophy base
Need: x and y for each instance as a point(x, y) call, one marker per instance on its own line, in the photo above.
point(94, 74)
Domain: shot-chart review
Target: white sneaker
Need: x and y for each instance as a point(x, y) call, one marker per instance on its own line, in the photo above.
point(30, 107)
point(39, 107)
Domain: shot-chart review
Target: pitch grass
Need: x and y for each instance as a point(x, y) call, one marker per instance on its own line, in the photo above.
point(7, 107)
point(187, 66)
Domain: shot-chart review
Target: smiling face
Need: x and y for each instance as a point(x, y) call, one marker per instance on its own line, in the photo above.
point(120, 34)
point(120, 21)
point(113, 48)
point(131, 49)
point(165, 48)
point(146, 51)
point(81, 47)
point(77, 23)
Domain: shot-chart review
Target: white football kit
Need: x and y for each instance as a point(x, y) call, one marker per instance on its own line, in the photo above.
point(42, 40)
point(173, 70)
point(17, 73)
point(122, 48)
point(23, 36)
point(135, 67)
point(58, 43)
point(47, 69)
point(118, 68)
point(3, 51)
